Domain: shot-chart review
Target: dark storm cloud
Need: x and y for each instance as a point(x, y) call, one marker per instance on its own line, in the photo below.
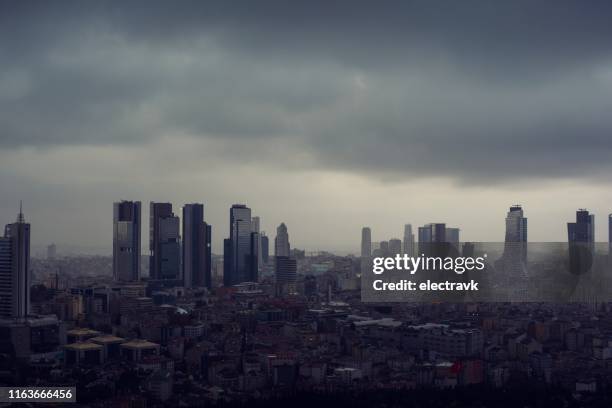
point(470, 90)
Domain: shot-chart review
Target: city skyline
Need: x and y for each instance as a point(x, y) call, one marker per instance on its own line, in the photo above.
point(354, 247)
point(271, 203)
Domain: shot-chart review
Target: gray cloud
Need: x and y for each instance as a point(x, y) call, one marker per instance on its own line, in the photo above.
point(473, 91)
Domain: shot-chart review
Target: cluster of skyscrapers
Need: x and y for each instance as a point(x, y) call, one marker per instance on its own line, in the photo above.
point(172, 261)
point(241, 249)
point(427, 234)
point(186, 260)
point(580, 231)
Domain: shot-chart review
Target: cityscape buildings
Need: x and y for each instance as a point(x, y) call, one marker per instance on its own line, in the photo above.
point(395, 247)
point(164, 244)
point(281, 242)
point(516, 234)
point(366, 241)
point(197, 254)
point(285, 265)
point(408, 243)
point(126, 241)
point(265, 247)
point(583, 230)
point(111, 326)
point(239, 250)
point(15, 272)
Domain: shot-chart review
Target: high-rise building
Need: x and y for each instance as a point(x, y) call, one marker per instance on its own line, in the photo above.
point(255, 227)
point(581, 241)
point(366, 241)
point(434, 232)
point(437, 233)
point(239, 260)
point(286, 266)
point(286, 275)
point(164, 243)
point(197, 255)
point(395, 247)
point(583, 230)
point(516, 225)
point(516, 234)
point(126, 241)
point(281, 242)
point(15, 273)
point(384, 248)
point(452, 235)
point(265, 247)
point(408, 240)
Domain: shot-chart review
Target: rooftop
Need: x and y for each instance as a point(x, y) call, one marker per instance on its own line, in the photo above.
point(139, 343)
point(82, 331)
point(83, 346)
point(107, 339)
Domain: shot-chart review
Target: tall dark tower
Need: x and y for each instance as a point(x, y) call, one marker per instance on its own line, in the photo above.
point(583, 230)
point(430, 237)
point(516, 234)
point(15, 273)
point(581, 241)
point(366, 241)
point(265, 248)
point(164, 243)
point(197, 262)
point(239, 250)
point(126, 241)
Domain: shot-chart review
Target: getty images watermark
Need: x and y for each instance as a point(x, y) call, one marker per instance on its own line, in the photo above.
point(411, 264)
point(491, 272)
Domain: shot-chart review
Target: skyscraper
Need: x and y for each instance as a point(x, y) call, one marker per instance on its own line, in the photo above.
point(516, 234)
point(15, 273)
point(286, 275)
point(286, 266)
point(583, 230)
point(255, 225)
point(265, 248)
point(366, 241)
point(452, 235)
point(384, 248)
point(433, 234)
point(126, 241)
point(408, 240)
point(197, 255)
point(516, 225)
point(281, 242)
point(395, 247)
point(240, 263)
point(581, 240)
point(164, 243)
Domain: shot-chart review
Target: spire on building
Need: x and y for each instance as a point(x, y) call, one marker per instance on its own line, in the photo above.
point(20, 217)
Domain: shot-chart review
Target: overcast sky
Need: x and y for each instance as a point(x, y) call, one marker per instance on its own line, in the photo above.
point(325, 115)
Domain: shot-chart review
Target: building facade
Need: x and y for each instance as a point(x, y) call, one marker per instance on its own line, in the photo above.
point(196, 248)
point(126, 241)
point(164, 243)
point(15, 272)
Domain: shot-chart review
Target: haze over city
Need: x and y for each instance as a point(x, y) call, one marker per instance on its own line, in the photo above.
point(322, 116)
